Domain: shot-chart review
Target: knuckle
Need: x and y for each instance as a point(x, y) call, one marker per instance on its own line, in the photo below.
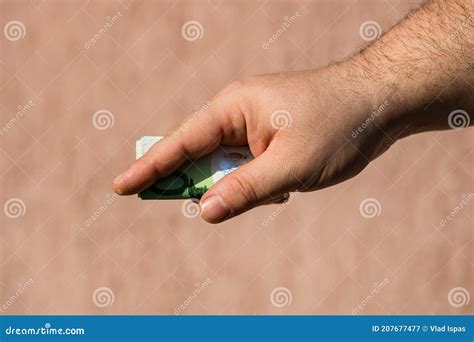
point(149, 162)
point(240, 184)
point(234, 86)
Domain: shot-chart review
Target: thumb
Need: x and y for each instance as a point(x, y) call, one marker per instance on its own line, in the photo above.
point(257, 182)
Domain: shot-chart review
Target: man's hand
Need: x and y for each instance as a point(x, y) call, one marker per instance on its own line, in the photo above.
point(296, 126)
point(312, 129)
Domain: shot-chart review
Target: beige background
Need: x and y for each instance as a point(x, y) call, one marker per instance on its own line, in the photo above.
point(150, 257)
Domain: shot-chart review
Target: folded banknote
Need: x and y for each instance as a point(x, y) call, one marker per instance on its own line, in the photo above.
point(195, 177)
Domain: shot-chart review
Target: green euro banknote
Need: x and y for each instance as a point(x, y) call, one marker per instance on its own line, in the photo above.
point(195, 177)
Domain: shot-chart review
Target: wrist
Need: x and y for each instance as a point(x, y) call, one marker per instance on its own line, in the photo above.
point(389, 95)
point(412, 68)
point(375, 105)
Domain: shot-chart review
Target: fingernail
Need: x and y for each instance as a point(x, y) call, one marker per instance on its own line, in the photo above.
point(116, 182)
point(214, 208)
point(117, 179)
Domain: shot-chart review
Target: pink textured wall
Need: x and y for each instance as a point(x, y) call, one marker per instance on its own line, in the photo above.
point(317, 254)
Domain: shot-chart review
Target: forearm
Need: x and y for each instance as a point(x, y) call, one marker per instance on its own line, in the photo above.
point(424, 66)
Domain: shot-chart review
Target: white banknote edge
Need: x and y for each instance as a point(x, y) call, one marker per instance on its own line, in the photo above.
point(144, 144)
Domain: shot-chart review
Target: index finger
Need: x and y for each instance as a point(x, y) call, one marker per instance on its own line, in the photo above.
point(198, 135)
